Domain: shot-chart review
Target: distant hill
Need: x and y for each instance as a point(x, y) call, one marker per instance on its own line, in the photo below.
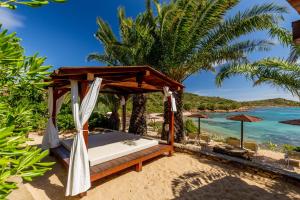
point(272, 102)
point(194, 102)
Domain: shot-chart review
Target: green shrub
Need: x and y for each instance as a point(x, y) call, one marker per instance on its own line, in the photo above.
point(187, 106)
point(202, 106)
point(156, 126)
point(65, 122)
point(272, 146)
point(297, 149)
point(190, 126)
point(288, 147)
point(211, 107)
point(98, 120)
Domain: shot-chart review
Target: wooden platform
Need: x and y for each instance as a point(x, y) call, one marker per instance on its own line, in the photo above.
point(110, 167)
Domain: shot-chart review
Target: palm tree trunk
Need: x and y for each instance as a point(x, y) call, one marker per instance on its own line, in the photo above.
point(138, 123)
point(114, 120)
point(179, 133)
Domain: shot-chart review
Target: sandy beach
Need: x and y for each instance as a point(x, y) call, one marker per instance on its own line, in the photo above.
point(181, 176)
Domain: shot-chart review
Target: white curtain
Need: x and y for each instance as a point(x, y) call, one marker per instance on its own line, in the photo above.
point(167, 94)
point(50, 139)
point(79, 169)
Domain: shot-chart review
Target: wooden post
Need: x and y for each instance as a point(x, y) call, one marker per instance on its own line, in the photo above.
point(242, 134)
point(171, 125)
point(55, 97)
point(83, 91)
point(138, 167)
point(124, 117)
point(199, 128)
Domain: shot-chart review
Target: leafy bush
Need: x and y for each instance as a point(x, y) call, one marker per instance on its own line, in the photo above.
point(297, 149)
point(98, 120)
point(156, 126)
point(272, 146)
point(21, 101)
point(202, 107)
point(288, 147)
point(187, 106)
point(190, 126)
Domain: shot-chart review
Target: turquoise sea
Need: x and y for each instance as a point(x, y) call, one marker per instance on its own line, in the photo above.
point(267, 130)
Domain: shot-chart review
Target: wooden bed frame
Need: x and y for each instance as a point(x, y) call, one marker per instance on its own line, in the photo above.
point(110, 167)
point(122, 81)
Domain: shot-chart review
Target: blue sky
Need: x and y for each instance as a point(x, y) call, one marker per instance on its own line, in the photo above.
point(64, 34)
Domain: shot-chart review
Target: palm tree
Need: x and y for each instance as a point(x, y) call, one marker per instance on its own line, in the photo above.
point(133, 49)
point(194, 36)
point(276, 72)
point(113, 104)
point(188, 36)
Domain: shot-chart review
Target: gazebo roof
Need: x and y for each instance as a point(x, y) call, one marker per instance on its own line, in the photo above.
point(295, 4)
point(116, 79)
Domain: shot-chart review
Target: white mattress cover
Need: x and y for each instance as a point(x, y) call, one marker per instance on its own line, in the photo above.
point(111, 145)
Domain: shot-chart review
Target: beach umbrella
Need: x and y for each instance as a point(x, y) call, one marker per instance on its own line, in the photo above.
point(199, 116)
point(242, 119)
point(291, 122)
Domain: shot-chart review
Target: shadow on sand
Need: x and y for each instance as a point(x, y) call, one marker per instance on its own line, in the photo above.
point(228, 182)
point(57, 192)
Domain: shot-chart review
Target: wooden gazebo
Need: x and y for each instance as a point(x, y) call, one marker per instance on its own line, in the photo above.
point(122, 81)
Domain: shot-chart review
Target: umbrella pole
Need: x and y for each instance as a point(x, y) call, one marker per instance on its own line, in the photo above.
point(242, 134)
point(198, 127)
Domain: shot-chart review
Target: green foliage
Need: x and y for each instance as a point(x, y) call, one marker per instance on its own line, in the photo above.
point(157, 126)
point(288, 147)
point(21, 103)
point(272, 146)
point(190, 127)
point(273, 71)
point(297, 149)
point(194, 102)
point(187, 106)
point(98, 120)
point(173, 40)
point(12, 4)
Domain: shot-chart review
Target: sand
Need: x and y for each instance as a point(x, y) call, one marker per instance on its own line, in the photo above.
point(181, 176)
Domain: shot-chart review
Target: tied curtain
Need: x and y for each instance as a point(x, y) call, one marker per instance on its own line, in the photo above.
point(79, 169)
point(167, 94)
point(50, 139)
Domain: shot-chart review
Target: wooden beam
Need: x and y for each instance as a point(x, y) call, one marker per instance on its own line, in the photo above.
point(84, 88)
point(90, 76)
point(133, 85)
point(295, 4)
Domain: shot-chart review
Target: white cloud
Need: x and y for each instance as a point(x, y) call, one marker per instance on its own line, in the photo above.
point(10, 20)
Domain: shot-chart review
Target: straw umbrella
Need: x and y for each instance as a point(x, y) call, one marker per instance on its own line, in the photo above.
point(242, 119)
point(199, 116)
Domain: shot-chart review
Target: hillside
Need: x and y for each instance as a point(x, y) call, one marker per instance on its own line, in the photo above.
point(196, 102)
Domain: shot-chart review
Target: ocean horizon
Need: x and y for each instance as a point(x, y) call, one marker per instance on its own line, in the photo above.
point(264, 131)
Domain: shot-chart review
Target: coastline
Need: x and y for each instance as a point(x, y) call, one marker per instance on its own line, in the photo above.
point(241, 109)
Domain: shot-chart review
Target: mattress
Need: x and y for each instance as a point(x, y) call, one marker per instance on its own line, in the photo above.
point(111, 145)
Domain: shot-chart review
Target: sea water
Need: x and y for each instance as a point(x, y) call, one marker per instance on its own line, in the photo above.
point(264, 131)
